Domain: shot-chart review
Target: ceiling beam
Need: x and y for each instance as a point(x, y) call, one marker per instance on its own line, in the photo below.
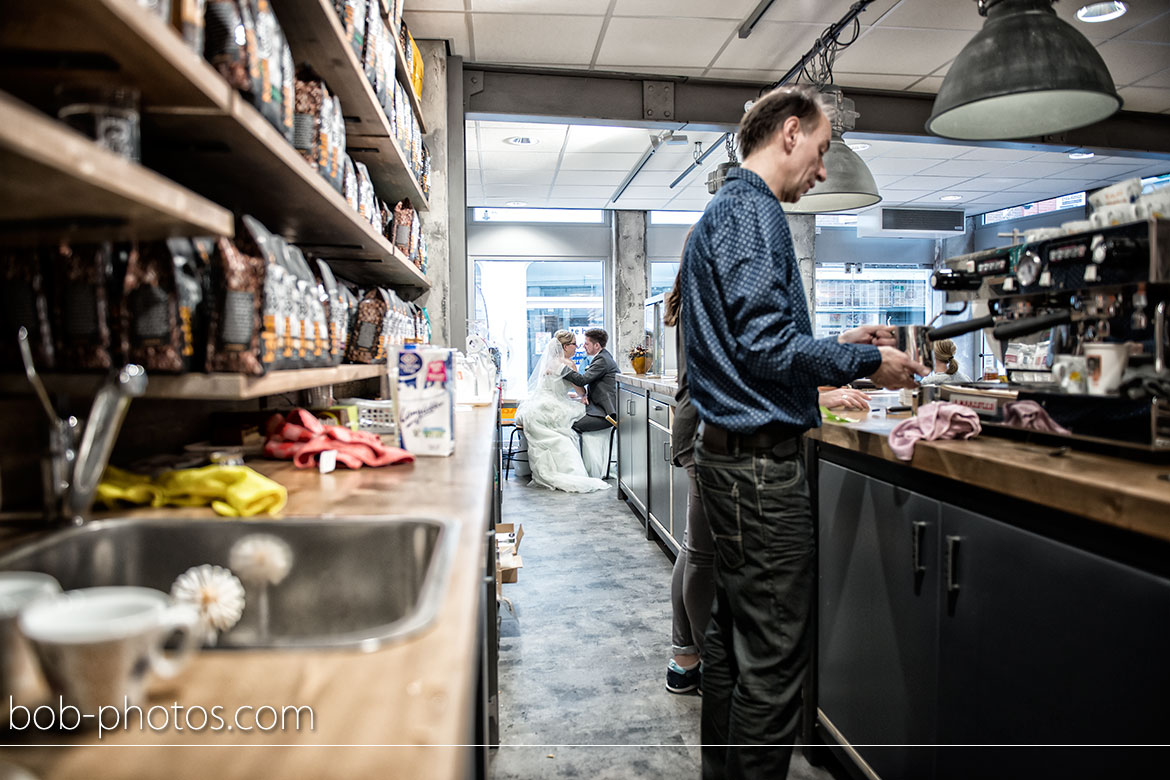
point(577, 97)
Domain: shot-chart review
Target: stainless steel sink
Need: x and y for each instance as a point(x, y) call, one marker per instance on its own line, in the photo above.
point(353, 582)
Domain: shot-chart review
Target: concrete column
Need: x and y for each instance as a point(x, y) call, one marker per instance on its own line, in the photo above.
point(946, 248)
point(436, 221)
point(627, 276)
point(804, 239)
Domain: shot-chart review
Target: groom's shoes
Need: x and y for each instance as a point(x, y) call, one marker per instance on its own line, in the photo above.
point(679, 680)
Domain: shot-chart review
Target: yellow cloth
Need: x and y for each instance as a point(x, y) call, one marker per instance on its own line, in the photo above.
point(232, 491)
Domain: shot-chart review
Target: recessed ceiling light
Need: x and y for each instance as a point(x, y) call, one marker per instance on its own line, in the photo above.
point(1080, 155)
point(516, 203)
point(859, 147)
point(522, 140)
point(1101, 12)
point(951, 197)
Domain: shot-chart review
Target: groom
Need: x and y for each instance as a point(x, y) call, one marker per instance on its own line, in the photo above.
point(599, 381)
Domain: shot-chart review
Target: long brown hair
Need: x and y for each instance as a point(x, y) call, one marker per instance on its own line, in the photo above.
point(674, 297)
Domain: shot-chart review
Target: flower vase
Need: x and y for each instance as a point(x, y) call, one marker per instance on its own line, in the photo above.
point(640, 364)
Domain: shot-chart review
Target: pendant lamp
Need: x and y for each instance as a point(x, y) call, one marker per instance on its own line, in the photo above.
point(1026, 73)
point(848, 184)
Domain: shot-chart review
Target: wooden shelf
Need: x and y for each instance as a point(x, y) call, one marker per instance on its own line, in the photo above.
point(316, 36)
point(206, 387)
point(404, 80)
point(55, 182)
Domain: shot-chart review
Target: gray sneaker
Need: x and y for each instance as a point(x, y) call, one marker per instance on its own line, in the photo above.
point(679, 680)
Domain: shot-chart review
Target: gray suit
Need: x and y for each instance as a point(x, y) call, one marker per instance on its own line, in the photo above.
point(600, 383)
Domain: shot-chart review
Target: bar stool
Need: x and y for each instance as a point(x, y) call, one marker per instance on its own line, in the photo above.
point(511, 454)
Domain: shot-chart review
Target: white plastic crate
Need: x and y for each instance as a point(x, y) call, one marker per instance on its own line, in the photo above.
point(373, 416)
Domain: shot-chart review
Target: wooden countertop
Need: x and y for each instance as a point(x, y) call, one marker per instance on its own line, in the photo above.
point(666, 385)
point(1123, 493)
point(401, 711)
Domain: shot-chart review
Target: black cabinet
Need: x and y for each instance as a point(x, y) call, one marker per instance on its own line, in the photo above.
point(658, 462)
point(878, 617)
point(942, 626)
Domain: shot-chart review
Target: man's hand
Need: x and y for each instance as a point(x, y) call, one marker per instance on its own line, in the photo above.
point(878, 335)
point(844, 398)
point(897, 369)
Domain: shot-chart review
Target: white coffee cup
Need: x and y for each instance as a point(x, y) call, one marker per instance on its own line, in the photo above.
point(1104, 366)
point(20, 677)
point(97, 646)
point(1071, 372)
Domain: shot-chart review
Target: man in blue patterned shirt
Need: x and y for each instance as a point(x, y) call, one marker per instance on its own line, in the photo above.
point(754, 367)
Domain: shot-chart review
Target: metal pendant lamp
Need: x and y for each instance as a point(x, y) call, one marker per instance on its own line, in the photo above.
point(848, 184)
point(1026, 73)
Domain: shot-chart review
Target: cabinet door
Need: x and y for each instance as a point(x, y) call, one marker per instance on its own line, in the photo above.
point(632, 446)
point(659, 476)
point(878, 618)
point(1043, 643)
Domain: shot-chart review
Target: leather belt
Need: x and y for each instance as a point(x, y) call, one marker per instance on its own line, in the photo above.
point(780, 441)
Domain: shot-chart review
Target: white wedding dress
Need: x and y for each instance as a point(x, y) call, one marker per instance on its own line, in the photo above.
point(547, 417)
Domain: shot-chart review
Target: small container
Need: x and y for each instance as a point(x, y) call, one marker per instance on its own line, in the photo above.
point(107, 114)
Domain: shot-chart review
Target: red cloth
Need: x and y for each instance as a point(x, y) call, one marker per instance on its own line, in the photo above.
point(300, 437)
point(934, 421)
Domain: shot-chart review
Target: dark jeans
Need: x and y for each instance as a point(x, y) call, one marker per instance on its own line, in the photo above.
point(692, 582)
point(591, 423)
point(756, 651)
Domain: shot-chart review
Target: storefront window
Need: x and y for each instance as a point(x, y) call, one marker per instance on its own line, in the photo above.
point(520, 303)
point(662, 276)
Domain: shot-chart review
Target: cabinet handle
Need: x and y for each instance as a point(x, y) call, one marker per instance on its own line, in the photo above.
point(917, 529)
point(953, 563)
point(666, 451)
point(658, 408)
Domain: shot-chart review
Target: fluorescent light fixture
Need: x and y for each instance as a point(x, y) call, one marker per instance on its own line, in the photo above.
point(522, 140)
point(849, 184)
point(951, 197)
point(1081, 155)
point(512, 204)
point(1102, 12)
point(1026, 73)
point(859, 147)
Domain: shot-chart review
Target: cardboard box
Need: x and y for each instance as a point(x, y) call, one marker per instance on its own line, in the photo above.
point(508, 560)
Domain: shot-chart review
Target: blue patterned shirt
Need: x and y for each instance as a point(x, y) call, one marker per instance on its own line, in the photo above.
point(751, 358)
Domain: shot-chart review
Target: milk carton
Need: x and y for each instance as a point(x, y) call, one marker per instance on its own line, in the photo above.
point(425, 400)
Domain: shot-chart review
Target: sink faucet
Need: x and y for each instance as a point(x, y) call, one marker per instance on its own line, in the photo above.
point(80, 449)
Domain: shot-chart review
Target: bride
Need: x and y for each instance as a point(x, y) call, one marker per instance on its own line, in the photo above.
point(547, 416)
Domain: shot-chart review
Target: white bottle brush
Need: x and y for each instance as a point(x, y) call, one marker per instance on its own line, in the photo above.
point(261, 560)
point(215, 593)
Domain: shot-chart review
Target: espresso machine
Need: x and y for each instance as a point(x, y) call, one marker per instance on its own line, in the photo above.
point(1080, 324)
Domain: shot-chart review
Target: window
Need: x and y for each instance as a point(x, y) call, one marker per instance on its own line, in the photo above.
point(519, 304)
point(662, 275)
point(567, 216)
point(1071, 201)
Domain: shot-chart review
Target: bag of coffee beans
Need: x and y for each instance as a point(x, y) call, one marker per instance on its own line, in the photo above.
point(316, 335)
point(365, 342)
point(309, 137)
point(336, 311)
point(26, 305)
point(233, 333)
point(277, 305)
point(403, 220)
point(367, 203)
point(230, 42)
point(162, 300)
point(268, 94)
point(354, 20)
point(337, 148)
point(187, 18)
point(80, 307)
point(349, 181)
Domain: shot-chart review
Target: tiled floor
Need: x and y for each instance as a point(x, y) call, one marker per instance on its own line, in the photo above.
point(583, 657)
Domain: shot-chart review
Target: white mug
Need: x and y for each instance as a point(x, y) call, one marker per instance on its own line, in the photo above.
point(1071, 372)
point(19, 676)
point(1104, 366)
point(97, 646)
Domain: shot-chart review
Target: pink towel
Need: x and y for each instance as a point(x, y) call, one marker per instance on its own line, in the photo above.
point(301, 437)
point(1031, 416)
point(934, 421)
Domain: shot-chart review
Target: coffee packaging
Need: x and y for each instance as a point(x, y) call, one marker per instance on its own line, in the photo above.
point(80, 307)
point(277, 304)
point(230, 42)
point(187, 17)
point(162, 306)
point(234, 327)
point(365, 338)
point(268, 94)
point(336, 311)
point(367, 202)
point(349, 182)
point(313, 110)
point(424, 400)
point(317, 320)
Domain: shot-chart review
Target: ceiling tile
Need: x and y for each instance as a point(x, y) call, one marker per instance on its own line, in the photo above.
point(664, 41)
point(1129, 61)
point(1140, 12)
point(884, 181)
point(588, 138)
point(433, 5)
point(585, 191)
point(822, 12)
point(704, 9)
point(1145, 99)
point(997, 155)
point(929, 84)
point(493, 138)
point(515, 192)
point(904, 195)
point(964, 168)
point(639, 204)
point(1031, 170)
point(931, 150)
point(1160, 79)
point(568, 40)
point(753, 75)
point(935, 15)
point(772, 46)
point(1154, 31)
point(996, 183)
point(672, 70)
point(436, 26)
point(1095, 170)
point(902, 51)
point(493, 178)
point(595, 178)
point(591, 7)
point(599, 162)
point(872, 80)
point(928, 183)
point(660, 178)
point(536, 203)
point(904, 167)
point(519, 161)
